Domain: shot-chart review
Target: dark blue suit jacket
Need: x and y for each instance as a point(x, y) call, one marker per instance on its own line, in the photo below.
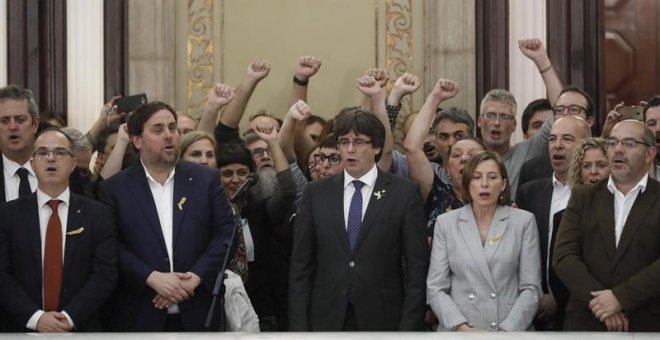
point(90, 271)
point(202, 226)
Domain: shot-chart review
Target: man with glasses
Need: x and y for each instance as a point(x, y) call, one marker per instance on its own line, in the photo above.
point(58, 250)
point(608, 241)
point(351, 233)
point(497, 122)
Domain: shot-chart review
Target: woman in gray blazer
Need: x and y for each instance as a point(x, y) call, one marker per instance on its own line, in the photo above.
point(485, 272)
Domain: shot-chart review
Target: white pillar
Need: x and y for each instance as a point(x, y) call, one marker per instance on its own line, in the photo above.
point(3, 43)
point(527, 19)
point(84, 54)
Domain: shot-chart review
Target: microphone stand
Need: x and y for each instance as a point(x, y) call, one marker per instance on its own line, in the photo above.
point(238, 205)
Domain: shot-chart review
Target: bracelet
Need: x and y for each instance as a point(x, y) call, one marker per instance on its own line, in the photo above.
point(300, 82)
point(545, 69)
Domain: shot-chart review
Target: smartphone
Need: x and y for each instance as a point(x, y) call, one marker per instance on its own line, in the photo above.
point(632, 112)
point(130, 103)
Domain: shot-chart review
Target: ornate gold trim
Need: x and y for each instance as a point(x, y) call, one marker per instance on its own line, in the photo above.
point(200, 54)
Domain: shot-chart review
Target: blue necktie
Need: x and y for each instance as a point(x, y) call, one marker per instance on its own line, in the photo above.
point(355, 215)
point(24, 184)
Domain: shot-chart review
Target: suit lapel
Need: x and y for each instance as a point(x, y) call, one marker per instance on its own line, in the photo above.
point(635, 219)
point(468, 227)
point(605, 199)
point(496, 232)
point(74, 223)
point(336, 216)
point(182, 185)
point(34, 231)
point(376, 204)
point(147, 206)
point(2, 181)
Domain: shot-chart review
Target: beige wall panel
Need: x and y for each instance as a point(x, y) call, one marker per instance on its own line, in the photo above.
point(450, 48)
point(151, 49)
point(340, 32)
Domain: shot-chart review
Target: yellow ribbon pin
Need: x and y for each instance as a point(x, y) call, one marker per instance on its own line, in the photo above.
point(495, 238)
point(76, 232)
point(182, 201)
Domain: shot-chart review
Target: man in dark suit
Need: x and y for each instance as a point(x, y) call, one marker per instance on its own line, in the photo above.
point(19, 119)
point(174, 226)
point(72, 236)
point(608, 243)
point(346, 271)
point(546, 199)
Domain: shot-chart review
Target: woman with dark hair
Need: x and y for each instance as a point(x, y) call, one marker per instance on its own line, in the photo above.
point(485, 272)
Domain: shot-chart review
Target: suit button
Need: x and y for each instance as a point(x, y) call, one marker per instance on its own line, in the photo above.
point(493, 325)
point(351, 264)
point(344, 291)
point(471, 296)
point(493, 295)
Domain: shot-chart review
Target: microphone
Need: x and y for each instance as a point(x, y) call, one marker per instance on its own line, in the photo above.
point(250, 181)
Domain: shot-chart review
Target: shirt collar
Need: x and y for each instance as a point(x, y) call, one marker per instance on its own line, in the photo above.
point(368, 179)
point(557, 184)
point(641, 184)
point(11, 166)
point(43, 198)
point(169, 177)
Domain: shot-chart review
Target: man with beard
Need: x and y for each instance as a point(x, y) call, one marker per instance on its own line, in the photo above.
point(547, 198)
point(174, 225)
point(608, 241)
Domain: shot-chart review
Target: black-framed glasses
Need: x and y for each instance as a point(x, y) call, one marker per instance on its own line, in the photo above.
point(357, 142)
point(58, 153)
point(259, 152)
point(333, 159)
point(572, 109)
point(628, 143)
point(503, 117)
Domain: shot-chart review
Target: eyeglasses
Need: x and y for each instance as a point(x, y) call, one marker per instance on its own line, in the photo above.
point(259, 152)
point(344, 142)
point(494, 116)
point(58, 153)
point(333, 159)
point(572, 109)
point(628, 143)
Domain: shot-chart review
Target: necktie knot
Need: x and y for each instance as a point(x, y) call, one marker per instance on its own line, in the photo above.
point(24, 183)
point(53, 204)
point(358, 184)
point(22, 173)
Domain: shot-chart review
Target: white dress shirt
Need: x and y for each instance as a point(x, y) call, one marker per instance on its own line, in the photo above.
point(561, 193)
point(623, 204)
point(163, 195)
point(12, 181)
point(44, 215)
point(369, 180)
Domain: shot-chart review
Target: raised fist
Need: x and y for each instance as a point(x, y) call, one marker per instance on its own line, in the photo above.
point(306, 67)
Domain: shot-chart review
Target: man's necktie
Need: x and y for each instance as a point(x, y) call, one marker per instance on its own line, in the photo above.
point(53, 260)
point(24, 185)
point(355, 215)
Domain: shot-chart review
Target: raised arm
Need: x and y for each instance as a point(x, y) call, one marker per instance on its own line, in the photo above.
point(370, 88)
point(420, 167)
point(306, 67)
point(294, 120)
point(116, 158)
point(108, 115)
point(382, 77)
point(406, 84)
point(219, 96)
point(535, 51)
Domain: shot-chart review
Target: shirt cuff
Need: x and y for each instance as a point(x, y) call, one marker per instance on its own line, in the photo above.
point(32, 322)
point(68, 318)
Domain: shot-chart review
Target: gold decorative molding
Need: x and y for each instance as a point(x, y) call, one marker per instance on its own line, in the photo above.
point(200, 54)
point(399, 47)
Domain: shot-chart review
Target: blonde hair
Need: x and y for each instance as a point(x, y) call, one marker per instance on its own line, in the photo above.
point(589, 143)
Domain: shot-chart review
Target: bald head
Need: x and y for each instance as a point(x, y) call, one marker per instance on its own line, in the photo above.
point(566, 132)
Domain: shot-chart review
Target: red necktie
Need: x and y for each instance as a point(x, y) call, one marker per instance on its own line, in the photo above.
point(53, 260)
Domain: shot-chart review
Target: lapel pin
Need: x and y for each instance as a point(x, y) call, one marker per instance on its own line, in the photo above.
point(182, 201)
point(495, 238)
point(189, 179)
point(78, 211)
point(76, 231)
point(379, 194)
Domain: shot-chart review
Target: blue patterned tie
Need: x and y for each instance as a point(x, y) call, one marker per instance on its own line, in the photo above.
point(355, 215)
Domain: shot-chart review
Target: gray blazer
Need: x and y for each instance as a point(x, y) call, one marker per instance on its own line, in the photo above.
point(495, 286)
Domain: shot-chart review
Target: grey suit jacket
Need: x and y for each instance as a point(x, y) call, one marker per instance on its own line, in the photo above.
point(492, 286)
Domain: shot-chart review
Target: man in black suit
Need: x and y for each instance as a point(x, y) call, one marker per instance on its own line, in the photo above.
point(346, 271)
point(19, 119)
point(72, 236)
point(546, 198)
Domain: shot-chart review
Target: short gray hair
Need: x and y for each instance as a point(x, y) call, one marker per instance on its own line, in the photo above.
point(500, 96)
point(80, 140)
point(16, 92)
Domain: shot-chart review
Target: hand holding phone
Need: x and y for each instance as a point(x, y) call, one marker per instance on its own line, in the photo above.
point(130, 103)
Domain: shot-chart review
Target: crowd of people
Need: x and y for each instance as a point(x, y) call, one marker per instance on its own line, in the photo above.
point(329, 225)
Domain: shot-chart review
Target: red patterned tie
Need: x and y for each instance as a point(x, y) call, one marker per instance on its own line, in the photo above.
point(53, 260)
